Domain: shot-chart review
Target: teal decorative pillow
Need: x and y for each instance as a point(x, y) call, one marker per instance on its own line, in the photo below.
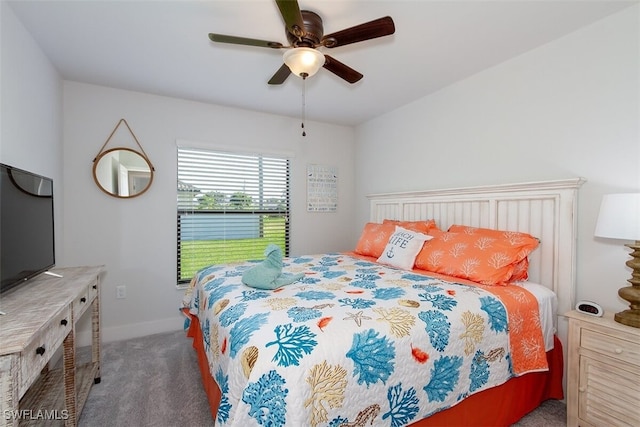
point(402, 248)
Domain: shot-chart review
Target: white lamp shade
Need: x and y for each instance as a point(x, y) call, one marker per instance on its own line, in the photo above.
point(303, 61)
point(619, 217)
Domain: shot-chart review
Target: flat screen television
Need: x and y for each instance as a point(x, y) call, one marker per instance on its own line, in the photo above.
point(26, 226)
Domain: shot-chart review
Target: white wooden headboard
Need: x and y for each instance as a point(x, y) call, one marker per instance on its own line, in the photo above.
point(546, 210)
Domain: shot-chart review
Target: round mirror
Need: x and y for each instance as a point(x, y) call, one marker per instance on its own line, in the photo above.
point(122, 172)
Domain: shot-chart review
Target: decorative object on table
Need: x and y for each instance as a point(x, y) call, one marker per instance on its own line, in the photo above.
point(619, 218)
point(122, 172)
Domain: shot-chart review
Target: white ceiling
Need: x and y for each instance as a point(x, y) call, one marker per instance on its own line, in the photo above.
point(161, 47)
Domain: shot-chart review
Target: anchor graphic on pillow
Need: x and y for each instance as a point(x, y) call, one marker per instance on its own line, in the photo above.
point(390, 253)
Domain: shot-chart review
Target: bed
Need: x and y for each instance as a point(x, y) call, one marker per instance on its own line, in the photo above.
point(363, 340)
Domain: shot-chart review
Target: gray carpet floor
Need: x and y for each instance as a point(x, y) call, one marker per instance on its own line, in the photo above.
point(154, 381)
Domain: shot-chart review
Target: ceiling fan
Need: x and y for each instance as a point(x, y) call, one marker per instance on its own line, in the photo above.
point(305, 34)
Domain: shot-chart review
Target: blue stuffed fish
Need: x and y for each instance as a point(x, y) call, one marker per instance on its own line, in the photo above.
point(268, 274)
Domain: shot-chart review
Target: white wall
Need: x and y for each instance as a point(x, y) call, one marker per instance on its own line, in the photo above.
point(136, 238)
point(30, 109)
point(566, 109)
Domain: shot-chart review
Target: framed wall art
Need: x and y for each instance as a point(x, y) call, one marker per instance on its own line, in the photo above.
point(322, 188)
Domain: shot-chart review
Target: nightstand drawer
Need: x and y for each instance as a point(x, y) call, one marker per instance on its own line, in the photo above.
point(39, 351)
point(617, 348)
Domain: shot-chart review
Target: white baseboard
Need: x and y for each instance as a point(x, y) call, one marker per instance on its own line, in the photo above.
point(125, 332)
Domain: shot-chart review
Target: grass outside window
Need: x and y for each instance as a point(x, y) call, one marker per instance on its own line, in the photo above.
point(197, 254)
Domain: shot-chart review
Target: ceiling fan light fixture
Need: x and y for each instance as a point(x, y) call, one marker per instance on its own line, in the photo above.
point(303, 61)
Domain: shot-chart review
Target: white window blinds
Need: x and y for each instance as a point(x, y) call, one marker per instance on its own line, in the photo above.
point(230, 207)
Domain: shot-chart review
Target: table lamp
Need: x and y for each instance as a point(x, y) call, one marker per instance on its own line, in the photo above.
point(619, 218)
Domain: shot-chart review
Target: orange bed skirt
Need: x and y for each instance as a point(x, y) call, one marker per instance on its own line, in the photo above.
point(498, 406)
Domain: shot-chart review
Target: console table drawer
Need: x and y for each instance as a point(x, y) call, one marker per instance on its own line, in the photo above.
point(38, 352)
point(83, 301)
point(93, 290)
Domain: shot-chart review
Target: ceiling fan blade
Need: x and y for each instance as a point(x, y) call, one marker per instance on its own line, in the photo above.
point(221, 38)
point(280, 76)
point(369, 30)
point(290, 11)
point(339, 69)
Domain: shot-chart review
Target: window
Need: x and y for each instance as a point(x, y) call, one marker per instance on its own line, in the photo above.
point(230, 207)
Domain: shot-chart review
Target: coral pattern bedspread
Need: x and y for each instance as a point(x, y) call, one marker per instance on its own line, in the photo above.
point(357, 342)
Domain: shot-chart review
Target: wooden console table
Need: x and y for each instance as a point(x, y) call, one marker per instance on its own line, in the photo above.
point(40, 318)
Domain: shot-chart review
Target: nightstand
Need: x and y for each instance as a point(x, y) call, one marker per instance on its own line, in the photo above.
point(603, 378)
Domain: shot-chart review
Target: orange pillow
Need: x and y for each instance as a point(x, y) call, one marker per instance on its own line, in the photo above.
point(417, 226)
point(521, 268)
point(499, 234)
point(374, 238)
point(489, 257)
point(520, 271)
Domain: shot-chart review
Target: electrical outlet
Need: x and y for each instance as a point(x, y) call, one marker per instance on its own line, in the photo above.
point(121, 291)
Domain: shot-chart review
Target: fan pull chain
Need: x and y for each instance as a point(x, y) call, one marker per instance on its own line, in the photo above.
point(304, 88)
